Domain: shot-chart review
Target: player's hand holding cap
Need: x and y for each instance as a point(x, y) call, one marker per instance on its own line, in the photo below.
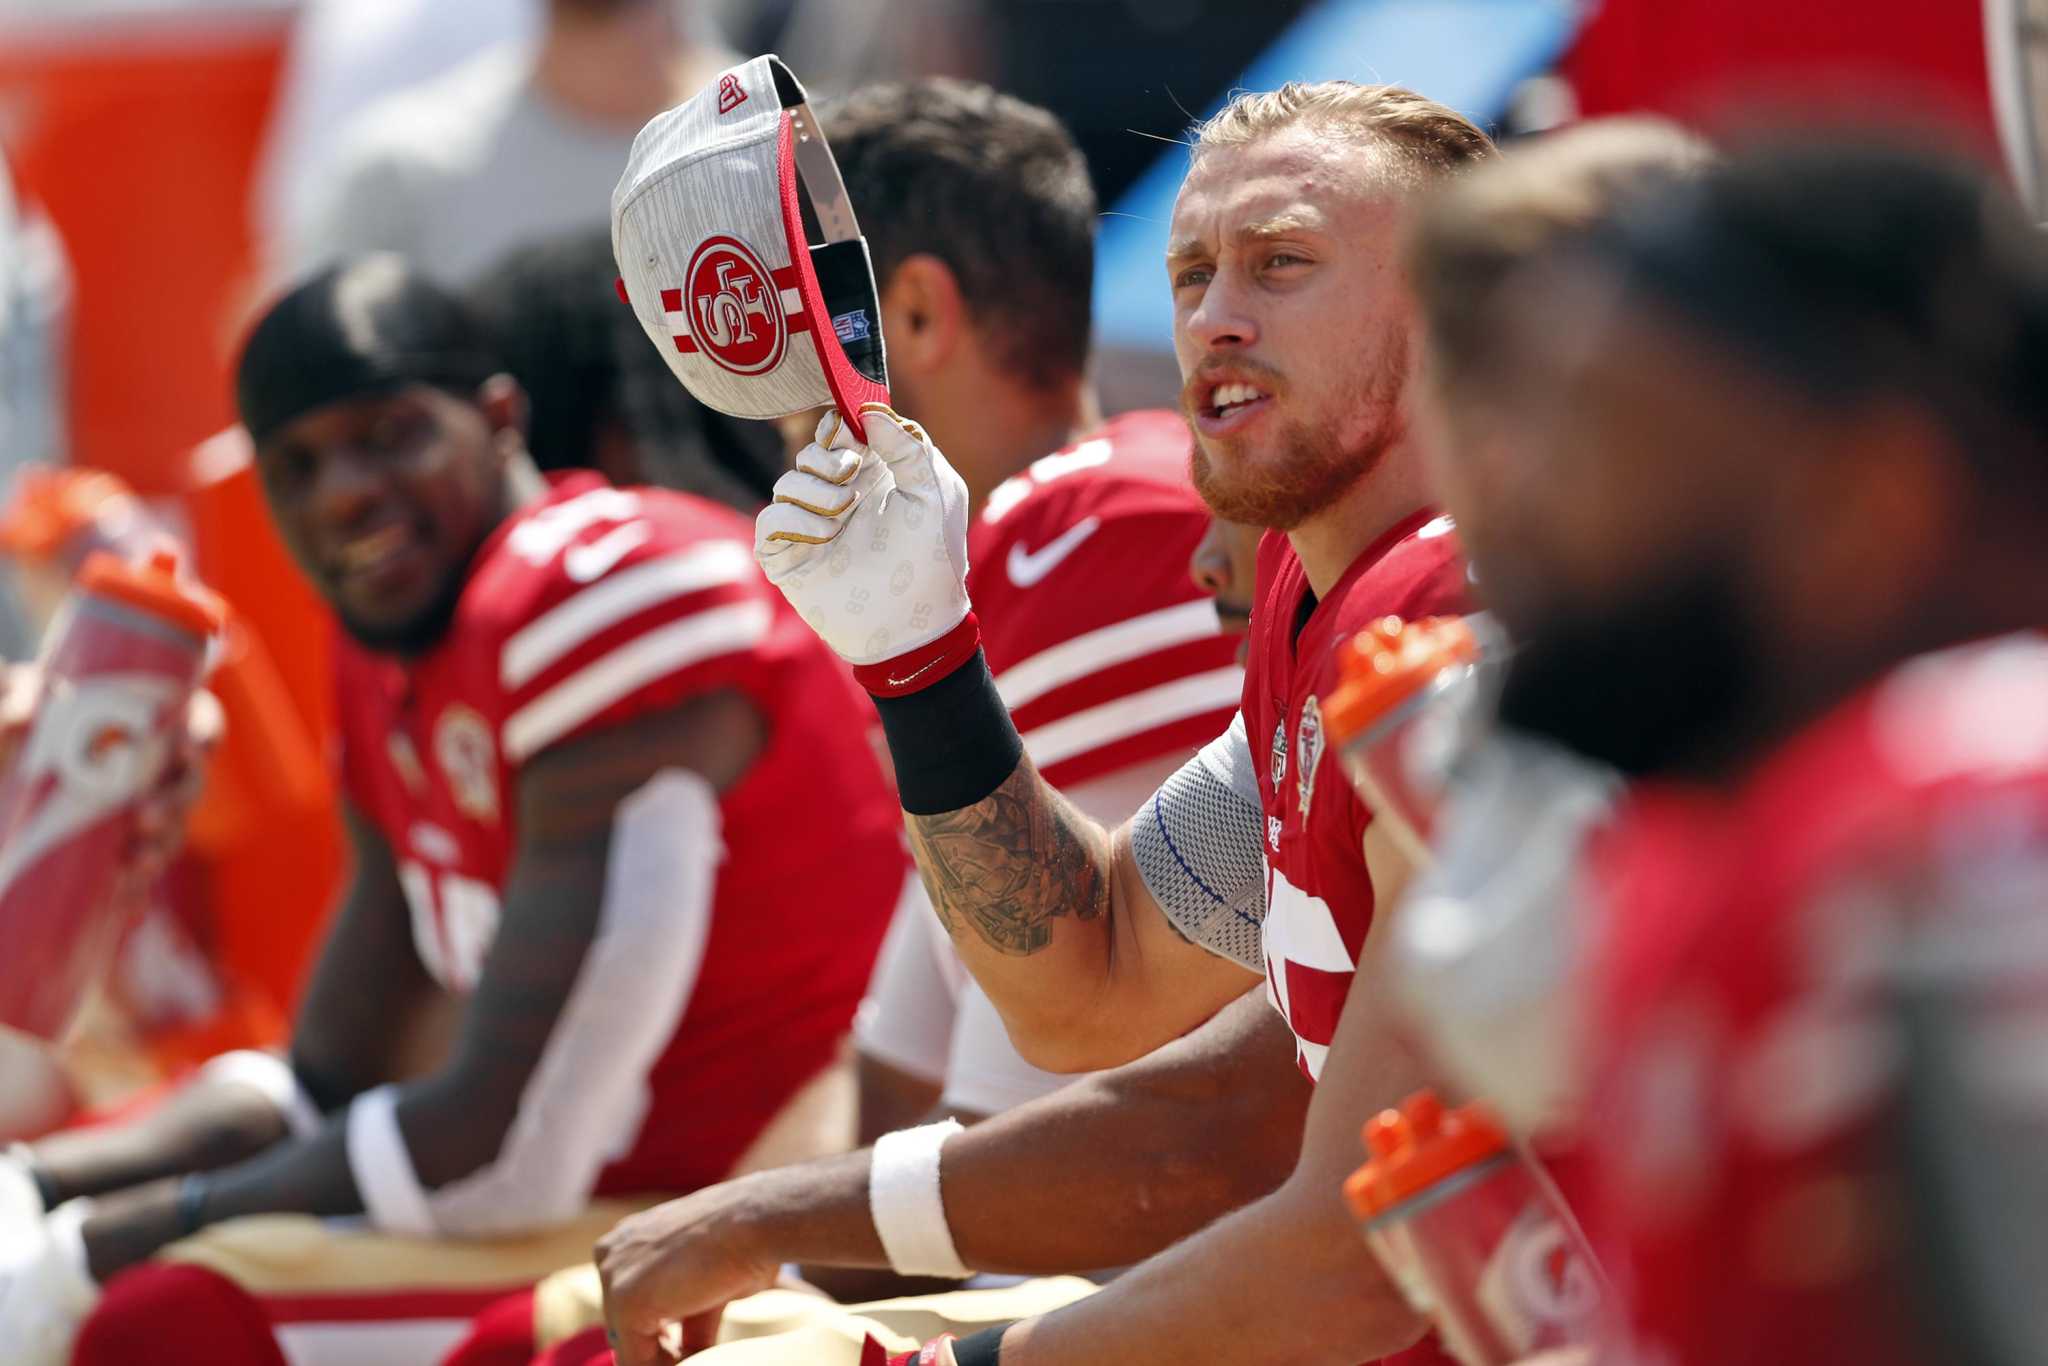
point(717, 262)
point(867, 536)
point(868, 541)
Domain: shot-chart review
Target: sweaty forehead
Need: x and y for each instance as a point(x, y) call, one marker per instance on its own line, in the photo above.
point(1299, 178)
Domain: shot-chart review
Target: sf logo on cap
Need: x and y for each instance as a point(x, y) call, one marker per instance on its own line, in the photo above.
point(735, 307)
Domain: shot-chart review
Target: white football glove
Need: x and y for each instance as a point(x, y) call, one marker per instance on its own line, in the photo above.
point(45, 1290)
point(869, 543)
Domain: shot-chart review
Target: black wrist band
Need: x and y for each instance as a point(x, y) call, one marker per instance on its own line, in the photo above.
point(46, 1186)
point(953, 743)
point(982, 1349)
point(191, 1204)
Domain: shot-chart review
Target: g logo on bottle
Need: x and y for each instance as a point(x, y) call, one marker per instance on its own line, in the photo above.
point(102, 734)
point(735, 308)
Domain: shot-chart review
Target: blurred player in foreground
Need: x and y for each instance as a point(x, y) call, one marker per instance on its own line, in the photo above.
point(1510, 837)
point(1776, 553)
point(577, 961)
point(1293, 335)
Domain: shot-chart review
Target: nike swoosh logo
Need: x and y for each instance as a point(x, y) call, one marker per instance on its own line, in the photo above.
point(915, 674)
point(1027, 567)
point(594, 561)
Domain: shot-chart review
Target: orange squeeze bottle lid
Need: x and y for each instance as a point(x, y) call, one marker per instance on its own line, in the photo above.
point(153, 586)
point(1389, 662)
point(1418, 1145)
point(49, 505)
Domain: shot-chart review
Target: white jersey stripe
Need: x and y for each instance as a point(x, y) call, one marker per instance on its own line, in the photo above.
point(1134, 714)
point(1074, 659)
point(612, 599)
point(634, 664)
point(1301, 928)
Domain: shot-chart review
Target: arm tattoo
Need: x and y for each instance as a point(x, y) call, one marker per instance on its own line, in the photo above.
point(1011, 864)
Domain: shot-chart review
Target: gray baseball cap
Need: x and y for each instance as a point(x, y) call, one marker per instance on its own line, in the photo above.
point(759, 309)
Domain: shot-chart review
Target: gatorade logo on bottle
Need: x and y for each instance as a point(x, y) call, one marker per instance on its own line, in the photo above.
point(99, 743)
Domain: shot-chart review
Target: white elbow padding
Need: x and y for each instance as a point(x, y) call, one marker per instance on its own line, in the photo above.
point(271, 1077)
point(583, 1106)
point(1198, 844)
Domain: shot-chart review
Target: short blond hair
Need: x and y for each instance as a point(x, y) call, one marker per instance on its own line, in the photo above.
point(1470, 236)
point(1427, 138)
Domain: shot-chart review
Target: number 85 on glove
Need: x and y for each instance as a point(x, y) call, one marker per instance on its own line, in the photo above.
point(869, 544)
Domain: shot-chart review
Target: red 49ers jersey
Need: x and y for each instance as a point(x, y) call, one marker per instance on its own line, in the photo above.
point(1765, 959)
point(591, 606)
point(1106, 653)
point(1319, 898)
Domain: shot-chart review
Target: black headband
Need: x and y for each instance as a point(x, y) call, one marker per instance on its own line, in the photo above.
point(363, 327)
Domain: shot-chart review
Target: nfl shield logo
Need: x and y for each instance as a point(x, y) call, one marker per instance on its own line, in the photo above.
point(469, 761)
point(406, 760)
point(1279, 754)
point(1308, 752)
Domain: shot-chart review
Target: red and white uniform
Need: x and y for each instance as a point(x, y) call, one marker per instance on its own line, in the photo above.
point(730, 950)
point(1777, 967)
point(1115, 671)
point(590, 607)
point(1104, 650)
point(1319, 897)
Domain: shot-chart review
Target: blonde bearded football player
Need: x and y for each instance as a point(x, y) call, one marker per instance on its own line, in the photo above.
point(1293, 334)
point(1113, 604)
